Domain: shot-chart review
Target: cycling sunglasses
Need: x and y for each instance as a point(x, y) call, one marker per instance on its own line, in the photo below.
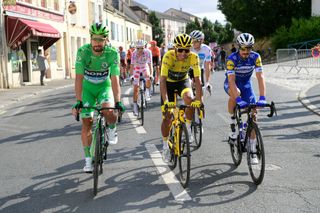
point(98, 39)
point(245, 48)
point(183, 50)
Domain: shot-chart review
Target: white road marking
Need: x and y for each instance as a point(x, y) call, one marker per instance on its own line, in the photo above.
point(178, 192)
point(135, 122)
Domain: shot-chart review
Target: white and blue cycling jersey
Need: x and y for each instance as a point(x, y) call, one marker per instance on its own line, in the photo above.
point(243, 70)
point(204, 54)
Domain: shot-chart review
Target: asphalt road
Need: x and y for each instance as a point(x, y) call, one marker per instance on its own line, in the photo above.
point(42, 159)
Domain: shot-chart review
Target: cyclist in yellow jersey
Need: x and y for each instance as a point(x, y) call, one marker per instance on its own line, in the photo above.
point(174, 77)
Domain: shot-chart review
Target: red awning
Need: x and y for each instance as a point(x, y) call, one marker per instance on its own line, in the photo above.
point(19, 30)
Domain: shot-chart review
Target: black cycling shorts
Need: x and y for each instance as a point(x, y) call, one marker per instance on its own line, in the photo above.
point(192, 76)
point(155, 60)
point(178, 86)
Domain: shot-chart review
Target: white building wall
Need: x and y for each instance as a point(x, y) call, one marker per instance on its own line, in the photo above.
point(315, 8)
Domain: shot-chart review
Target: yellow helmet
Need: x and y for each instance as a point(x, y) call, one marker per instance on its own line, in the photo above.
point(183, 41)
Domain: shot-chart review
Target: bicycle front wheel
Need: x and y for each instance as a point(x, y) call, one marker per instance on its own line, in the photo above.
point(173, 160)
point(97, 160)
point(196, 127)
point(142, 100)
point(184, 158)
point(256, 170)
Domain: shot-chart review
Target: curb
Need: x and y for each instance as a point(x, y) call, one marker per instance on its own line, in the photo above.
point(306, 103)
point(32, 95)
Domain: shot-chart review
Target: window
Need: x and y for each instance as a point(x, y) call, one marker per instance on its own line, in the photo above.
point(56, 5)
point(43, 3)
point(113, 31)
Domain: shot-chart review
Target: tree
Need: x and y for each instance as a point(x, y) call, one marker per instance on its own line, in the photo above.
point(157, 32)
point(263, 17)
point(213, 32)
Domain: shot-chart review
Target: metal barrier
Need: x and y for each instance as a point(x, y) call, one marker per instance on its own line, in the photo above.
point(306, 60)
point(287, 58)
point(297, 59)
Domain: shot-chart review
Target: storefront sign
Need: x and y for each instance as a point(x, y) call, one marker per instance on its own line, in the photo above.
point(22, 9)
point(9, 2)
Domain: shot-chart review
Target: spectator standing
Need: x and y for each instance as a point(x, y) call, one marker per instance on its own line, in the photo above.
point(43, 66)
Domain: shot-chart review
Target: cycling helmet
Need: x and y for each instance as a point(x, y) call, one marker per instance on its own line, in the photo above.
point(170, 46)
point(153, 42)
point(183, 41)
point(99, 29)
point(196, 34)
point(131, 45)
point(140, 43)
point(245, 39)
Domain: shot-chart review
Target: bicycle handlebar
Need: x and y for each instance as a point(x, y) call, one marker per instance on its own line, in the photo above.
point(253, 106)
point(97, 108)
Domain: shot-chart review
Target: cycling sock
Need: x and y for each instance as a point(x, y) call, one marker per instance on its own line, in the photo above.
point(111, 126)
point(188, 124)
point(87, 151)
point(165, 143)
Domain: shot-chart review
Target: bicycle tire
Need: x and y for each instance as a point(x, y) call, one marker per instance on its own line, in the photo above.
point(256, 171)
point(173, 160)
point(96, 163)
point(184, 155)
point(196, 128)
point(119, 117)
point(142, 108)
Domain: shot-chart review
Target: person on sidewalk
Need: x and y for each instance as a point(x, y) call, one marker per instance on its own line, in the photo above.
point(43, 66)
point(97, 82)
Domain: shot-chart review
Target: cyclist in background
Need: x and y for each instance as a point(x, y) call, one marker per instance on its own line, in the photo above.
point(170, 46)
point(240, 67)
point(204, 53)
point(156, 55)
point(174, 76)
point(97, 81)
point(123, 64)
point(129, 55)
point(141, 62)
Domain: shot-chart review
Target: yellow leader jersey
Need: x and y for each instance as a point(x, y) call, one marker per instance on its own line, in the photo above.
point(176, 70)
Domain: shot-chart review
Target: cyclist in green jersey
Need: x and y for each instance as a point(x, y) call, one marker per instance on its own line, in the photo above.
point(97, 82)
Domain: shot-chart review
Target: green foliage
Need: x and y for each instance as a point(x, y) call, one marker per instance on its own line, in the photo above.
point(214, 32)
point(300, 30)
point(157, 33)
point(262, 17)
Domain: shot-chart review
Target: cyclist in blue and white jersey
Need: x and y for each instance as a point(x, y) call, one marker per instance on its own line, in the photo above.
point(240, 67)
point(204, 53)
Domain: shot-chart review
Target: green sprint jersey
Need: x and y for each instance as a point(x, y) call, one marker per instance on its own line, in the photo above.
point(97, 69)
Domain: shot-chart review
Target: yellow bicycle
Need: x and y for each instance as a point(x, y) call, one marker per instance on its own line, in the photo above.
point(178, 142)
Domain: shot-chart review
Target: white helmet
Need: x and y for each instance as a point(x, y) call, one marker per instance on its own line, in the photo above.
point(131, 45)
point(196, 34)
point(140, 43)
point(170, 45)
point(245, 39)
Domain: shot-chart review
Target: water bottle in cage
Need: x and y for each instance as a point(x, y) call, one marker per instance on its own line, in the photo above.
point(243, 128)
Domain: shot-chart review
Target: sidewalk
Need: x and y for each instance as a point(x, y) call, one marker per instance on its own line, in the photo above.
point(10, 96)
point(307, 85)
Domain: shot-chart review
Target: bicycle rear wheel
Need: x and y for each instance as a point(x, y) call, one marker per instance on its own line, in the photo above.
point(256, 171)
point(173, 160)
point(97, 161)
point(196, 128)
point(184, 158)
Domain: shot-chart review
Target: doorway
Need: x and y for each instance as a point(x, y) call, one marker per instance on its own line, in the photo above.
point(25, 70)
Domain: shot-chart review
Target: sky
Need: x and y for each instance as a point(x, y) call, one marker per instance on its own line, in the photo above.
point(207, 8)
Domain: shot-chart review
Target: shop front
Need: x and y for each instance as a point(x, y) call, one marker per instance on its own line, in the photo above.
point(24, 37)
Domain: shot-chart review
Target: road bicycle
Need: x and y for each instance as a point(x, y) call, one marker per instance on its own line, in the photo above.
point(99, 145)
point(142, 103)
point(245, 131)
point(178, 142)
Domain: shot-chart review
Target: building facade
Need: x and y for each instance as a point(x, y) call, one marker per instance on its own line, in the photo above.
point(60, 27)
